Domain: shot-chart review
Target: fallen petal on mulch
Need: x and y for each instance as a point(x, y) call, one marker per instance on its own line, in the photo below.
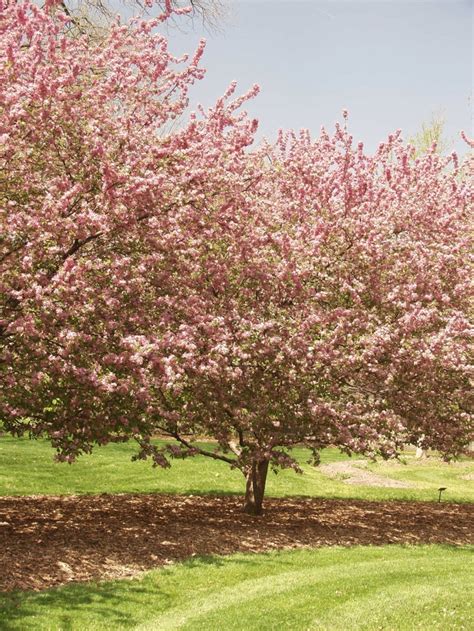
point(46, 541)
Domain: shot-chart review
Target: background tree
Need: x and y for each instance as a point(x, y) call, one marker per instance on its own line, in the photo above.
point(431, 134)
point(95, 17)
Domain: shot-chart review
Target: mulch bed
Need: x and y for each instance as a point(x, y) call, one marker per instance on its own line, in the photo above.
point(46, 541)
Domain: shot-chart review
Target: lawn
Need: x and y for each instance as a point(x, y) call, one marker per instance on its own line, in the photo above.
point(27, 468)
point(376, 587)
point(391, 587)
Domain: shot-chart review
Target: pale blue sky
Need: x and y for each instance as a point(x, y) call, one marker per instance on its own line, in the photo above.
point(390, 63)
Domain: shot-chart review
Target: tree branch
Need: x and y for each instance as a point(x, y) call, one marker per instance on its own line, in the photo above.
point(203, 452)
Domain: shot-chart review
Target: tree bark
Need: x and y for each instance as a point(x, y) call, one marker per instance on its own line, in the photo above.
point(255, 487)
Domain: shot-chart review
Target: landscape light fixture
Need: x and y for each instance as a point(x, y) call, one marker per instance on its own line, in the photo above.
point(441, 489)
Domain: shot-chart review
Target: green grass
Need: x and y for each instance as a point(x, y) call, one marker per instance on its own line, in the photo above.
point(391, 587)
point(27, 468)
point(430, 476)
point(395, 587)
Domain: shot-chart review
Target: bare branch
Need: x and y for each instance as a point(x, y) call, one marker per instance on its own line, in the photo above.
point(203, 452)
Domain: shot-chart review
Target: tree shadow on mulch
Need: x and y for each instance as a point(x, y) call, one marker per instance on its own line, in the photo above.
point(47, 541)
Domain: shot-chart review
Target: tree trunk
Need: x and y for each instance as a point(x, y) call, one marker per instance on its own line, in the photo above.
point(420, 453)
point(255, 488)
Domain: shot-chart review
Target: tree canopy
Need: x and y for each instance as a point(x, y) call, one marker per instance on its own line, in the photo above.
point(178, 282)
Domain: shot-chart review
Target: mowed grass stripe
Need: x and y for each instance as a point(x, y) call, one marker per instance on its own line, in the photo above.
point(399, 605)
point(249, 596)
point(388, 600)
point(390, 587)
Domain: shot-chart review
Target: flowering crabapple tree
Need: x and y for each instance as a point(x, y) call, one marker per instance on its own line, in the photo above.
point(96, 191)
point(172, 282)
point(335, 312)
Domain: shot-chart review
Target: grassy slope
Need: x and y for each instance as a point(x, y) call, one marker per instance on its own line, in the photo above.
point(27, 468)
point(391, 587)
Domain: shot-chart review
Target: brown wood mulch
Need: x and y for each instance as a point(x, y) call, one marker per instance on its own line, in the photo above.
point(46, 541)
